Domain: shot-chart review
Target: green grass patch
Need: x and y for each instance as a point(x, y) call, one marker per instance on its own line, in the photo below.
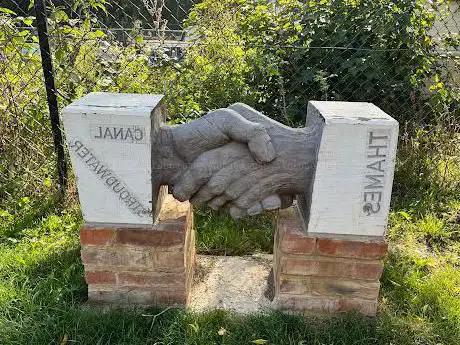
point(42, 290)
point(220, 234)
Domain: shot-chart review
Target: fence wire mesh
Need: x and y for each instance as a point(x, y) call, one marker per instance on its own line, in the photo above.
point(402, 55)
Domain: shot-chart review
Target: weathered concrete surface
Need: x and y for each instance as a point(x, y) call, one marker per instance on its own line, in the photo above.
point(236, 283)
point(350, 191)
point(108, 136)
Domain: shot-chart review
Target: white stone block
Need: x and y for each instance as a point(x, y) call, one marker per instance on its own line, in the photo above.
point(351, 189)
point(108, 137)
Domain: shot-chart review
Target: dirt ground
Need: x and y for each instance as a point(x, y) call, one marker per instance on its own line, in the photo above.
point(237, 283)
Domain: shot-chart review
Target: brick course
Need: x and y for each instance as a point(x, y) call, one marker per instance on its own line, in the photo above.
point(365, 249)
point(148, 265)
point(323, 274)
point(329, 267)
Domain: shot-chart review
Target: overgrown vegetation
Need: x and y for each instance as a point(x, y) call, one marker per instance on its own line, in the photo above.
point(42, 295)
point(274, 58)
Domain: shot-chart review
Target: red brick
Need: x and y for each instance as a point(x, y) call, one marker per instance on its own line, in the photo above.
point(131, 258)
point(295, 286)
point(366, 249)
point(320, 266)
point(152, 237)
point(295, 243)
point(96, 236)
point(151, 265)
point(168, 259)
point(100, 277)
point(167, 280)
point(305, 304)
point(327, 286)
point(292, 237)
point(140, 296)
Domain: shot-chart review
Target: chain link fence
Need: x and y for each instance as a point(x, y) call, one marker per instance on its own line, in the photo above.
point(402, 55)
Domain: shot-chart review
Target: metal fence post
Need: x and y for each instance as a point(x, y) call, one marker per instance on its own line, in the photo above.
point(47, 66)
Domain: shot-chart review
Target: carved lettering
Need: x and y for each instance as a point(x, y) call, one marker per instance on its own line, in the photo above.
point(106, 175)
point(377, 165)
point(376, 181)
point(121, 133)
point(377, 150)
point(118, 132)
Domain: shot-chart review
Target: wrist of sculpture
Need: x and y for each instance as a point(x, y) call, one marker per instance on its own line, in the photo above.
point(166, 161)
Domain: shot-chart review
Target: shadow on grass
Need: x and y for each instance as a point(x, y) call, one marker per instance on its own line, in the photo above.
point(49, 307)
point(219, 234)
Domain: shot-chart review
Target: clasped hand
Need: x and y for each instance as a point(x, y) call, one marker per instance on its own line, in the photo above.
point(236, 158)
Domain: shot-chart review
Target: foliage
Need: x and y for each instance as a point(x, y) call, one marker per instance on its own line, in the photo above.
point(24, 126)
point(366, 50)
point(275, 58)
point(42, 290)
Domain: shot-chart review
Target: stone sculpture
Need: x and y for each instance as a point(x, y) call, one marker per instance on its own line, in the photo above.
point(340, 165)
point(236, 158)
point(138, 245)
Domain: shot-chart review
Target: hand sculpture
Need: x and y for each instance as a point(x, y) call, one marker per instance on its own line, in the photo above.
point(233, 175)
point(177, 146)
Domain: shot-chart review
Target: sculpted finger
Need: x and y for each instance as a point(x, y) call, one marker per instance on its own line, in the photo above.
point(237, 128)
point(264, 189)
point(271, 202)
point(218, 202)
point(248, 181)
point(255, 209)
point(202, 196)
point(221, 179)
point(188, 182)
point(236, 212)
point(253, 115)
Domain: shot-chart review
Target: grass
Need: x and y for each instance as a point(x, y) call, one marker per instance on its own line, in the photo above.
point(43, 293)
point(42, 289)
point(220, 234)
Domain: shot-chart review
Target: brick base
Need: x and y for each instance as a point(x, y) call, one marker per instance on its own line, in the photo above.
point(146, 265)
point(324, 274)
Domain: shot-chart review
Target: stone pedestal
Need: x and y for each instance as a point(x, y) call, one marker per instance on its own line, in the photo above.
point(144, 264)
point(325, 274)
point(350, 191)
point(109, 136)
point(329, 248)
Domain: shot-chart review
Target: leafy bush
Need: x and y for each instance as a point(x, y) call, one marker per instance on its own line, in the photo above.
point(360, 50)
point(383, 52)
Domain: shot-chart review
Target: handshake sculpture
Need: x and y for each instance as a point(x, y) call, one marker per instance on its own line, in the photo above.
point(236, 158)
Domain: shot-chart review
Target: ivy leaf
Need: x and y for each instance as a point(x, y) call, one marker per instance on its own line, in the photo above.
point(28, 21)
point(98, 33)
point(7, 10)
point(405, 215)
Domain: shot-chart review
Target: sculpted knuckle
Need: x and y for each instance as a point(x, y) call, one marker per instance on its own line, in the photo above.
point(245, 201)
point(179, 194)
point(259, 130)
point(230, 194)
point(199, 172)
